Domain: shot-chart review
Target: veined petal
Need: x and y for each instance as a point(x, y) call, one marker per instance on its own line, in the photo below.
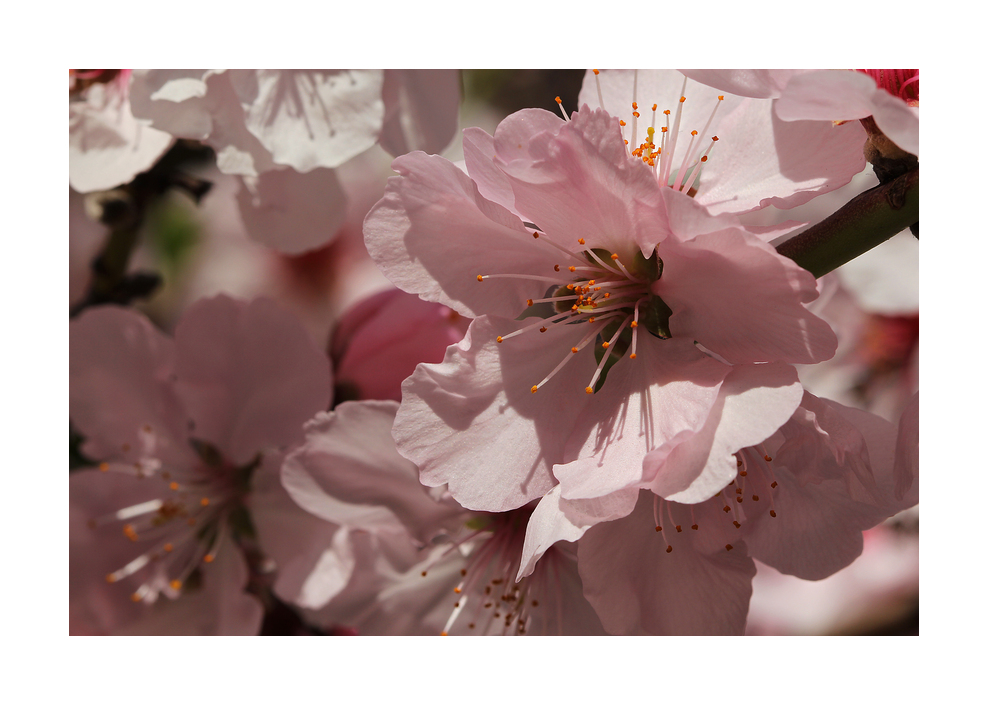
point(753, 402)
point(557, 519)
point(433, 233)
point(697, 588)
point(647, 404)
point(708, 282)
point(451, 412)
point(578, 182)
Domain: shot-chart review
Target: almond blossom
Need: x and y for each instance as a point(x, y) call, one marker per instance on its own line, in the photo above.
point(591, 273)
point(799, 503)
point(189, 434)
point(407, 559)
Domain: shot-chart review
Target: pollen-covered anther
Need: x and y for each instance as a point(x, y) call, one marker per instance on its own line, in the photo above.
point(130, 532)
point(633, 356)
point(480, 277)
point(605, 344)
point(729, 547)
point(208, 558)
point(668, 549)
point(582, 241)
point(614, 256)
point(204, 501)
point(774, 484)
point(173, 486)
point(500, 339)
point(574, 350)
point(768, 458)
point(589, 390)
point(168, 548)
point(530, 302)
point(679, 529)
point(535, 388)
point(535, 235)
point(772, 512)
point(457, 590)
point(695, 527)
point(543, 329)
point(737, 524)
point(754, 498)
point(176, 584)
point(104, 467)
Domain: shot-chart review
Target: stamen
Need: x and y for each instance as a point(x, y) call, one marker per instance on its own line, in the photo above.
point(559, 102)
point(600, 97)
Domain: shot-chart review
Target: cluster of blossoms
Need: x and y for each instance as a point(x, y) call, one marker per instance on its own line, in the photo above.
point(580, 408)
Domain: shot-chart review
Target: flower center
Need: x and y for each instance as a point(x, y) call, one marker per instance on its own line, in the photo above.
point(662, 157)
point(184, 526)
point(486, 598)
point(755, 482)
point(600, 290)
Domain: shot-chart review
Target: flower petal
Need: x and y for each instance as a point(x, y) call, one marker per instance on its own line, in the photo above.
point(649, 404)
point(638, 588)
point(451, 412)
point(420, 110)
point(739, 298)
point(249, 375)
point(292, 212)
point(433, 233)
point(753, 402)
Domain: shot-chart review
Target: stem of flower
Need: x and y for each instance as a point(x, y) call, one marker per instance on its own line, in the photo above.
point(865, 222)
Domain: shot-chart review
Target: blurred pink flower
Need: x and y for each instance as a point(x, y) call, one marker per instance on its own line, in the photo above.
point(583, 228)
point(185, 430)
point(379, 341)
point(108, 146)
point(890, 96)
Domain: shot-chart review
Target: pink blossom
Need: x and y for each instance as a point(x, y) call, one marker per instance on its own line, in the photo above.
point(799, 503)
point(108, 145)
point(759, 160)
point(890, 96)
point(407, 559)
point(581, 227)
point(185, 431)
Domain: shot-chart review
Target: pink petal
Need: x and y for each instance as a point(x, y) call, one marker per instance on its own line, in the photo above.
point(638, 588)
point(348, 472)
point(578, 182)
point(753, 83)
point(292, 212)
point(762, 160)
point(478, 155)
point(906, 470)
point(753, 402)
point(420, 110)
point(121, 371)
point(433, 233)
point(557, 519)
point(452, 412)
point(649, 404)
point(710, 283)
point(174, 101)
point(249, 374)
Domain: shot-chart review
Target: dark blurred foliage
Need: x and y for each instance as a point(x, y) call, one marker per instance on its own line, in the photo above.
point(509, 90)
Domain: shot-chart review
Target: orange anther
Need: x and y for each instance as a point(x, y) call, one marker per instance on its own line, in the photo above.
point(575, 350)
point(582, 241)
point(634, 324)
point(543, 329)
point(634, 106)
point(111, 578)
point(772, 512)
point(480, 277)
point(632, 356)
point(559, 100)
point(135, 597)
point(208, 558)
point(622, 123)
point(204, 501)
point(605, 344)
point(655, 106)
point(572, 269)
point(682, 99)
point(668, 549)
point(614, 256)
point(694, 133)
point(168, 548)
point(596, 72)
point(555, 267)
point(499, 338)
point(535, 235)
point(530, 302)
point(703, 158)
point(173, 486)
point(768, 458)
point(715, 138)
point(457, 590)
point(103, 467)
point(720, 97)
point(176, 584)
point(589, 390)
point(728, 547)
point(535, 389)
